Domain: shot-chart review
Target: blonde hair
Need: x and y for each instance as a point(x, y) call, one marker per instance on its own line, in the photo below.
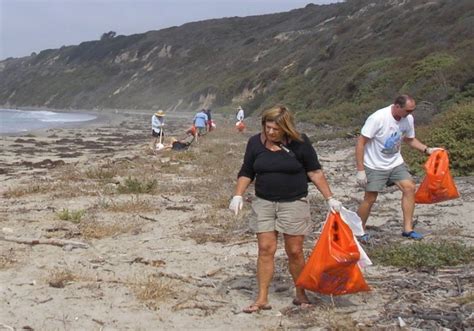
point(284, 119)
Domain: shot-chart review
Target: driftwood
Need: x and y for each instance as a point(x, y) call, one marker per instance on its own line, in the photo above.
point(54, 242)
point(148, 218)
point(242, 242)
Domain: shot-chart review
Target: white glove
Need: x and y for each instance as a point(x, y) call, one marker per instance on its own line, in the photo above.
point(334, 205)
point(361, 178)
point(431, 150)
point(236, 204)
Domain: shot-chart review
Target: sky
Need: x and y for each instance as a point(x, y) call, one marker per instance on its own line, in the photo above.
point(28, 26)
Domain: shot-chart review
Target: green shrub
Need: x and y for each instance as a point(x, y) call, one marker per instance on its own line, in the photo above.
point(133, 185)
point(74, 216)
point(423, 254)
point(453, 130)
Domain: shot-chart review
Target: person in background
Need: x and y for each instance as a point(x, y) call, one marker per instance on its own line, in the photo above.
point(177, 145)
point(281, 160)
point(240, 114)
point(209, 120)
point(157, 123)
point(200, 122)
point(379, 162)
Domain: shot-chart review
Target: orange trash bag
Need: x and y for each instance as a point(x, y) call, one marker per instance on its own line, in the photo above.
point(438, 184)
point(240, 125)
point(332, 267)
point(192, 130)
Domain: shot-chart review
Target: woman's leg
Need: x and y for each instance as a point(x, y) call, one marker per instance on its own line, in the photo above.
point(267, 245)
point(294, 251)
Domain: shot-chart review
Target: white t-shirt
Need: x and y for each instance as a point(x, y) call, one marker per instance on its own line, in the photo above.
point(240, 114)
point(386, 134)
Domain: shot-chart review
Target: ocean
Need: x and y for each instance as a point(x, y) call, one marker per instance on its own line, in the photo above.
point(22, 121)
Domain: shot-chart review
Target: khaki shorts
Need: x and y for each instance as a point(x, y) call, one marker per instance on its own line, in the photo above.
point(377, 180)
point(201, 130)
point(291, 218)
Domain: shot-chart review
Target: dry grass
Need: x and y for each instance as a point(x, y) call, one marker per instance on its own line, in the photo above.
point(59, 278)
point(134, 205)
point(152, 291)
point(215, 226)
point(70, 189)
point(202, 236)
point(94, 229)
point(69, 172)
point(104, 173)
point(467, 298)
point(7, 260)
point(33, 188)
point(324, 317)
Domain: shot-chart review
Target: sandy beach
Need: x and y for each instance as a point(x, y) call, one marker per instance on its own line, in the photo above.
point(132, 240)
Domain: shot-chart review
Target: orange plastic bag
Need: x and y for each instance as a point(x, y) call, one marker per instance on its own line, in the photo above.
point(438, 184)
point(332, 267)
point(192, 130)
point(240, 125)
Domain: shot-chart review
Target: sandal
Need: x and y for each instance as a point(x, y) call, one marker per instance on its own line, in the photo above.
point(302, 304)
point(412, 235)
point(256, 307)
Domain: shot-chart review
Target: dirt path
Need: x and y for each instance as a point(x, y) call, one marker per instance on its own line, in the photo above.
point(165, 253)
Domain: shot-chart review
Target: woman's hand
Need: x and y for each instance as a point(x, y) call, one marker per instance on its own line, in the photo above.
point(236, 204)
point(334, 205)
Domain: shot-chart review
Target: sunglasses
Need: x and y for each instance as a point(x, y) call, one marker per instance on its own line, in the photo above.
point(410, 110)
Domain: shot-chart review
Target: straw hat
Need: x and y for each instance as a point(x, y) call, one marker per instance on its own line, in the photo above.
point(160, 113)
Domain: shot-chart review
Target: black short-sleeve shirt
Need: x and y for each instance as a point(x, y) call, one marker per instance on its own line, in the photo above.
point(279, 176)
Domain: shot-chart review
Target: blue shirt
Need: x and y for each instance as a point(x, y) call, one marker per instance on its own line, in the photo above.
point(200, 120)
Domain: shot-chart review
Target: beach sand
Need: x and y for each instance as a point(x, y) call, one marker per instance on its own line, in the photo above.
point(163, 251)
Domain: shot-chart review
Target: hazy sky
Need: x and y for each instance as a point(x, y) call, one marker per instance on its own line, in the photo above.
point(33, 25)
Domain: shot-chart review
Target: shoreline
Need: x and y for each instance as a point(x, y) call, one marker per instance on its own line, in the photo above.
point(100, 118)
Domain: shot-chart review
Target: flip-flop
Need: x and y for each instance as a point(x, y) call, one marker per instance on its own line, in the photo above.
point(302, 304)
point(255, 308)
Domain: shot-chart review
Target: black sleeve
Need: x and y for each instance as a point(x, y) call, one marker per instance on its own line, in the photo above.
point(249, 158)
point(309, 157)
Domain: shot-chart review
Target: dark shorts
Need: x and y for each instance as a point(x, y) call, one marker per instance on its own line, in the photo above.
point(156, 134)
point(377, 180)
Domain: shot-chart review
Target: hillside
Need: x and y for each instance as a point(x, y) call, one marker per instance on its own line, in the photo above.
point(346, 57)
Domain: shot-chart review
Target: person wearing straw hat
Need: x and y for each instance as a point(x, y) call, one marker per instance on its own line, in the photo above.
point(157, 122)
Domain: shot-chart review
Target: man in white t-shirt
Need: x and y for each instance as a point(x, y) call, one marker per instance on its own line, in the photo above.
point(379, 162)
point(240, 114)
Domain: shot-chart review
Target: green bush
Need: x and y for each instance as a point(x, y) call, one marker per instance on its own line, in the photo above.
point(423, 254)
point(74, 216)
point(133, 185)
point(453, 130)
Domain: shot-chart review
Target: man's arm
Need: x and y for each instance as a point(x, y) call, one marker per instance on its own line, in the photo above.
point(359, 153)
point(416, 144)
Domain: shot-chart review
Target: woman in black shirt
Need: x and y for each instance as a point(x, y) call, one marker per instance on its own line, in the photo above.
point(281, 161)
